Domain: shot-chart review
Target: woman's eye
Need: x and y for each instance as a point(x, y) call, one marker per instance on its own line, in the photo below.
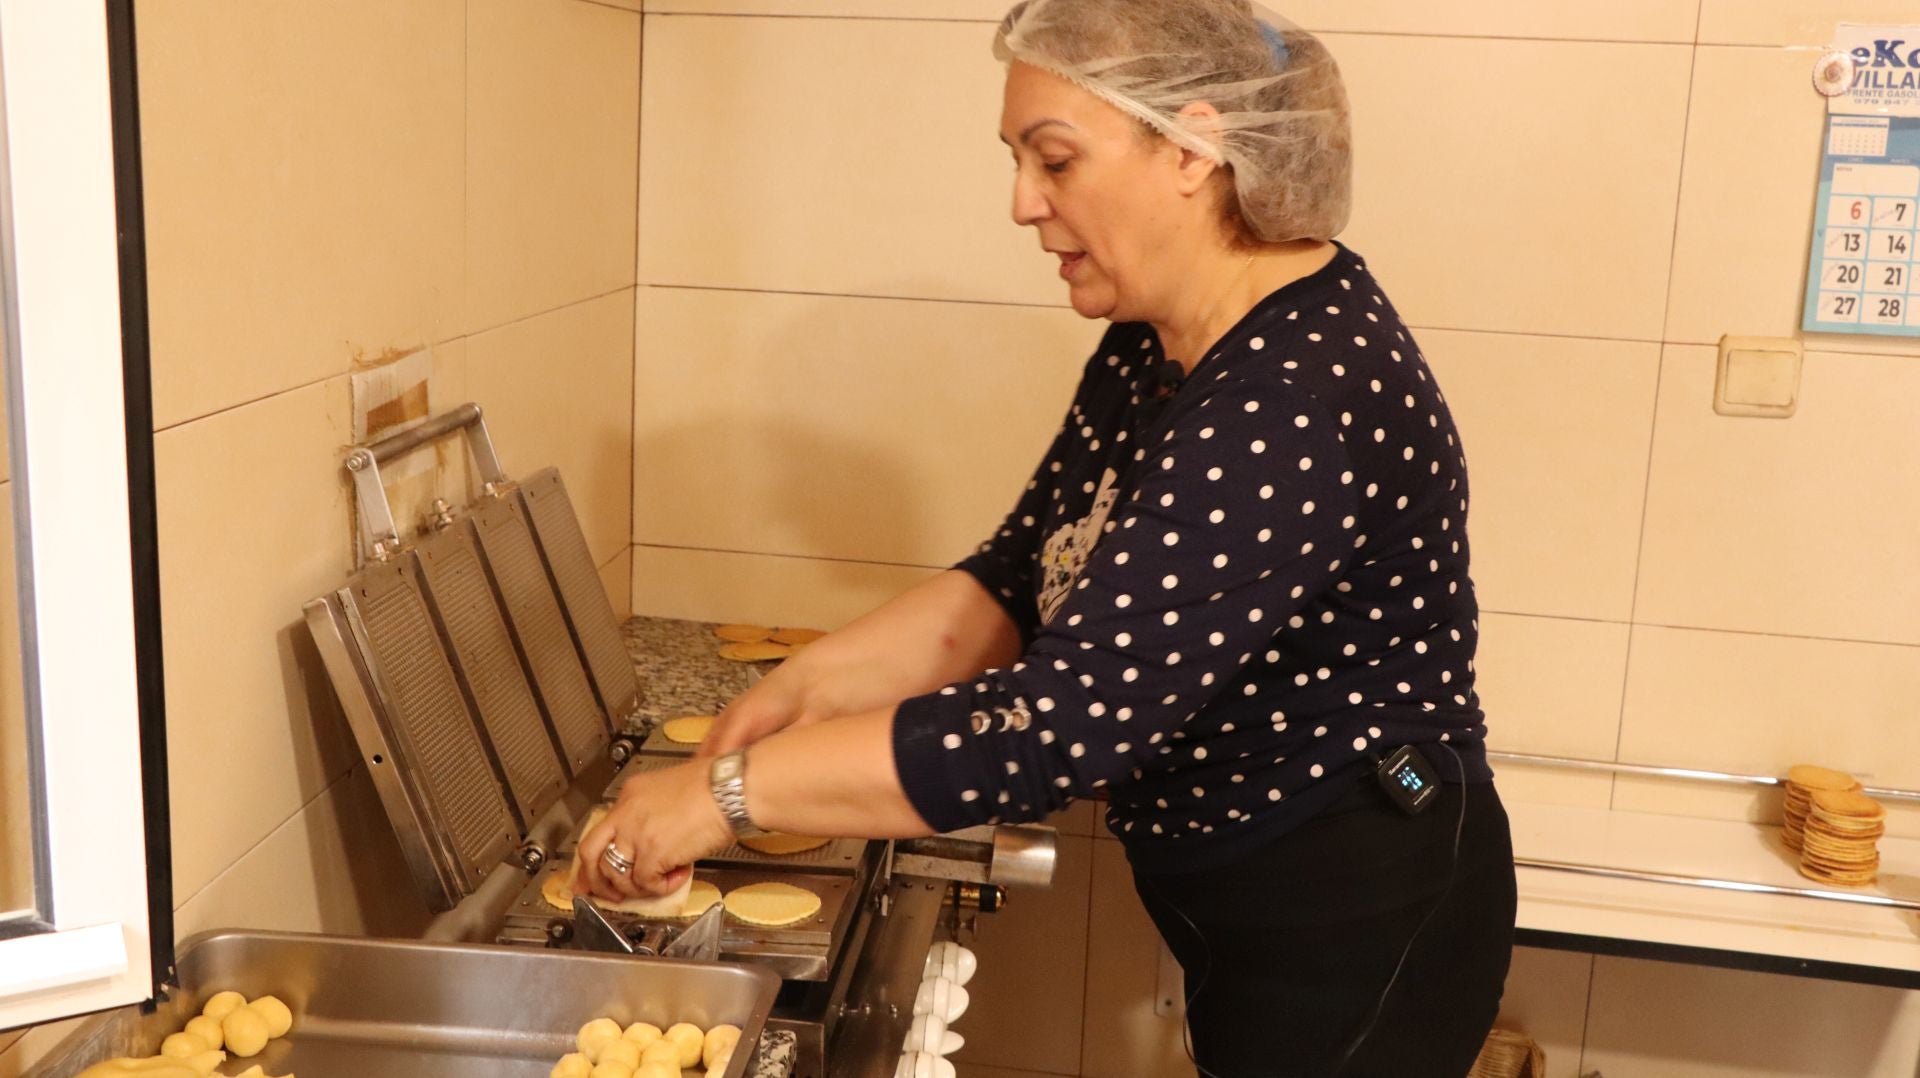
point(1056, 167)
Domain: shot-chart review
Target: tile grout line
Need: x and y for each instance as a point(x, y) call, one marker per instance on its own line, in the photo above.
point(1653, 426)
point(791, 557)
point(263, 839)
point(633, 322)
point(1586, 1011)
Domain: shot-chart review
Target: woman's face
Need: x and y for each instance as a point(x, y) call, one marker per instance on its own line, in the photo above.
point(1106, 198)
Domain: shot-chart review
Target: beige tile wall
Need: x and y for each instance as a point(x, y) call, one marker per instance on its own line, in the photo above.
point(1571, 203)
point(328, 185)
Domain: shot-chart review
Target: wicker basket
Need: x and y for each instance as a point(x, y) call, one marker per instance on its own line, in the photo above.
point(1509, 1055)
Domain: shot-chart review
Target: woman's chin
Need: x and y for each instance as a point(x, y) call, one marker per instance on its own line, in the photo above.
point(1089, 303)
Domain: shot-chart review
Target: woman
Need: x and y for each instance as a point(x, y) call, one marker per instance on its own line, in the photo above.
point(1236, 582)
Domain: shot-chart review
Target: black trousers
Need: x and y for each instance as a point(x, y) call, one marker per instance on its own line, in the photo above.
point(1288, 952)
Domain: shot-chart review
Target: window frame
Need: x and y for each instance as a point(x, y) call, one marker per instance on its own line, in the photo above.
point(81, 445)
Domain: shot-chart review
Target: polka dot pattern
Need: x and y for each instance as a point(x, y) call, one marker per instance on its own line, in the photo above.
point(1193, 645)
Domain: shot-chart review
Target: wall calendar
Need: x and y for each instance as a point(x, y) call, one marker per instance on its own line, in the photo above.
point(1862, 274)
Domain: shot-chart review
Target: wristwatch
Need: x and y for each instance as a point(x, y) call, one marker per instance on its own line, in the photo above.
point(728, 778)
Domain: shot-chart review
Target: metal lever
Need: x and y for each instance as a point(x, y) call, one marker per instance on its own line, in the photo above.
point(379, 537)
point(700, 940)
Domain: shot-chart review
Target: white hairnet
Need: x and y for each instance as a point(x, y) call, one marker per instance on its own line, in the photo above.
point(1283, 129)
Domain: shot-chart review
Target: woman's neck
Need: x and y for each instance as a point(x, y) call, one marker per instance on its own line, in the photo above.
point(1225, 285)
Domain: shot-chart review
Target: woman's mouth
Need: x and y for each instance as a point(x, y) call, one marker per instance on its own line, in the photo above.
point(1070, 263)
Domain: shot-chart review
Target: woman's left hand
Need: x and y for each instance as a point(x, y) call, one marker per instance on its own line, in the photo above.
point(663, 821)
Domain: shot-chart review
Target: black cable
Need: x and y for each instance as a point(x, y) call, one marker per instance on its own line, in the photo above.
point(1453, 866)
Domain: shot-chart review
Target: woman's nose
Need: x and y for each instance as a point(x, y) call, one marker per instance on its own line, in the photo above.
point(1029, 205)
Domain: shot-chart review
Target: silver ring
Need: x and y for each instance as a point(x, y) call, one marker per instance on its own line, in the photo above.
point(619, 862)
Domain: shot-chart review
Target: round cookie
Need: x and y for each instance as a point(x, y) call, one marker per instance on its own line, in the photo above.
point(796, 637)
point(742, 634)
point(771, 905)
point(687, 729)
point(781, 845)
point(759, 652)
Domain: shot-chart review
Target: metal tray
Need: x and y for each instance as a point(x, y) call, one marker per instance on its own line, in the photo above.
point(390, 1008)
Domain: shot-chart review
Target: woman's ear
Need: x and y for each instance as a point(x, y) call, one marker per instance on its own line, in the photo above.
point(1196, 169)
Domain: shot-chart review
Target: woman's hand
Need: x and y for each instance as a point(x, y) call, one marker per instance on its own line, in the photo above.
point(663, 822)
point(776, 702)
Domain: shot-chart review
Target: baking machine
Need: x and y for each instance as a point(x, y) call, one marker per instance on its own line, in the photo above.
point(495, 701)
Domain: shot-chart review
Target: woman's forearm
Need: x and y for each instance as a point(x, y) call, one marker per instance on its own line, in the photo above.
point(939, 632)
point(834, 779)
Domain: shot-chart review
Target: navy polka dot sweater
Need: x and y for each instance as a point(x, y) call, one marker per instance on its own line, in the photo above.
point(1232, 594)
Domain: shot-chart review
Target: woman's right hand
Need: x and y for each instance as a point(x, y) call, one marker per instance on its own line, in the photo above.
point(774, 703)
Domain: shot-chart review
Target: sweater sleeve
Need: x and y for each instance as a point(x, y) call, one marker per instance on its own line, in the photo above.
point(1233, 523)
point(1004, 565)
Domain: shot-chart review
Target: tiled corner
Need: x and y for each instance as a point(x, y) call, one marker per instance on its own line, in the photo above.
point(617, 577)
point(1551, 687)
point(303, 169)
point(553, 132)
point(1082, 818)
point(878, 430)
point(1682, 1021)
point(1028, 995)
point(1792, 526)
point(901, 191)
point(1806, 24)
point(557, 390)
point(1546, 999)
point(1754, 704)
point(1480, 205)
point(1632, 20)
point(1746, 199)
point(1123, 1038)
point(711, 585)
point(253, 523)
point(334, 868)
point(1557, 432)
point(16, 836)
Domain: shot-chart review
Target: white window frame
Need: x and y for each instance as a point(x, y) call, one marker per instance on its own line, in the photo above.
point(89, 947)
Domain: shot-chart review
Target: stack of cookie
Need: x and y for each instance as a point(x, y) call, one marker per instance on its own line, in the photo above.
point(760, 643)
point(1803, 781)
point(1837, 844)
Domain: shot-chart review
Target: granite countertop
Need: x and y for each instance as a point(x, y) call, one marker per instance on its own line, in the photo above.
point(680, 669)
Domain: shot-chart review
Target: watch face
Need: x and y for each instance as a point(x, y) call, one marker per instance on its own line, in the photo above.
point(726, 769)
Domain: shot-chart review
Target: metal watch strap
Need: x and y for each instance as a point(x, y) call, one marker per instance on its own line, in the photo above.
point(727, 777)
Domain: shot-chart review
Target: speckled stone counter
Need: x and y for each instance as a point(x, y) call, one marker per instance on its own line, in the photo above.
point(680, 669)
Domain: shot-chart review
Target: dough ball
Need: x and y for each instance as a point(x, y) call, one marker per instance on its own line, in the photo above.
point(719, 1047)
point(183, 1046)
point(611, 1070)
point(571, 1065)
point(689, 1039)
point(596, 1035)
point(279, 1017)
point(209, 1030)
point(255, 1071)
point(222, 1004)
point(246, 1032)
point(657, 1070)
point(661, 1051)
point(642, 1034)
point(623, 1051)
point(207, 1062)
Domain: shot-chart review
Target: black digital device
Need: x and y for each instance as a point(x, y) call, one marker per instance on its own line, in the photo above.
point(1408, 779)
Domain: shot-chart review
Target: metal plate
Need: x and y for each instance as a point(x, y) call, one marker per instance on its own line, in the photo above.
point(436, 746)
point(804, 952)
point(389, 1008)
point(489, 667)
point(533, 612)
point(577, 580)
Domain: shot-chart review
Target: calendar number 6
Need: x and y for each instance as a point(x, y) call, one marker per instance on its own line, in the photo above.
point(1857, 210)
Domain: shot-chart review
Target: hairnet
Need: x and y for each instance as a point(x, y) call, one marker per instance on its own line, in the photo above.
point(1283, 130)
